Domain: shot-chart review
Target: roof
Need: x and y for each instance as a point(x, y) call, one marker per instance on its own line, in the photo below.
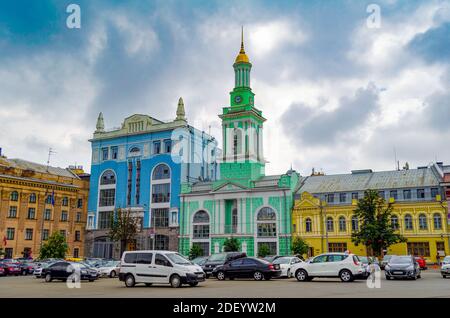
point(27, 165)
point(370, 180)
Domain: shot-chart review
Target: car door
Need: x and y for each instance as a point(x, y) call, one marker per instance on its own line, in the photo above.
point(233, 268)
point(162, 269)
point(247, 267)
point(317, 266)
point(144, 268)
point(333, 265)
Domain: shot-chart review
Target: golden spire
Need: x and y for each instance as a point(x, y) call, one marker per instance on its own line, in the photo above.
point(242, 57)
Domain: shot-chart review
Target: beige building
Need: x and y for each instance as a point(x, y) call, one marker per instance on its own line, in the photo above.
point(36, 201)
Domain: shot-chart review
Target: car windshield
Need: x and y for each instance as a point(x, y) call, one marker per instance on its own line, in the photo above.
point(387, 257)
point(110, 264)
point(178, 259)
point(400, 260)
point(217, 257)
point(282, 260)
point(447, 259)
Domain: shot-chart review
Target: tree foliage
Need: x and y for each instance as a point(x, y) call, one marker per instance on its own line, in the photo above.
point(299, 246)
point(124, 227)
point(375, 229)
point(195, 251)
point(231, 245)
point(263, 250)
point(55, 247)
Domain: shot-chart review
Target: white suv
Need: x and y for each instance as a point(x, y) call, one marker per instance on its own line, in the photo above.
point(160, 267)
point(345, 266)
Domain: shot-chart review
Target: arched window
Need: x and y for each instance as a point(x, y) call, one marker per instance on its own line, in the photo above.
point(200, 231)
point(330, 224)
point(201, 217)
point(161, 171)
point(237, 141)
point(14, 196)
point(342, 224)
point(394, 222)
point(437, 220)
point(266, 222)
point(108, 177)
point(355, 224)
point(423, 224)
point(408, 222)
point(32, 198)
point(308, 225)
point(135, 151)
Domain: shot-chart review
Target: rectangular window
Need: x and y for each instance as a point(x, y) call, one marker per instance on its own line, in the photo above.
point(31, 213)
point(63, 233)
point(77, 236)
point(407, 194)
point(64, 216)
point(267, 230)
point(129, 182)
point(78, 219)
point(80, 203)
point(28, 234)
point(167, 146)
point(104, 220)
point(65, 201)
point(330, 198)
point(10, 233)
point(174, 218)
point(8, 252)
point(76, 252)
point(161, 193)
point(355, 196)
point(90, 222)
point(107, 197)
point(156, 147)
point(420, 193)
point(138, 180)
point(393, 194)
point(105, 153)
point(381, 194)
point(114, 152)
point(342, 197)
point(337, 247)
point(47, 214)
point(45, 234)
point(434, 192)
point(12, 212)
point(201, 231)
point(161, 217)
point(419, 248)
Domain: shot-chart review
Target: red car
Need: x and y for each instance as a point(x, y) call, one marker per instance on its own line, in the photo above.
point(2, 271)
point(422, 262)
point(11, 268)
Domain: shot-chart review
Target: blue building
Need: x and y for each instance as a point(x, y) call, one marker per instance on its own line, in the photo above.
point(139, 168)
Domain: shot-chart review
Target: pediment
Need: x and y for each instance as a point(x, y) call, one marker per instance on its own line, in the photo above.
point(229, 186)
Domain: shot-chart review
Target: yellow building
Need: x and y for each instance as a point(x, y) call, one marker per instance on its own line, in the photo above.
point(323, 211)
point(35, 201)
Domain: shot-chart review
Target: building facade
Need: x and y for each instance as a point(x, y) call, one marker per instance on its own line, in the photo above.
point(243, 203)
point(323, 210)
point(139, 167)
point(36, 201)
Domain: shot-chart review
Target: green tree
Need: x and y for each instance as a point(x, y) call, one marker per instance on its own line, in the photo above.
point(375, 230)
point(231, 245)
point(263, 250)
point(299, 246)
point(55, 247)
point(124, 227)
point(195, 251)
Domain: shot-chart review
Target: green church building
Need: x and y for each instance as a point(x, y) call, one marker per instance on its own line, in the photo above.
point(243, 203)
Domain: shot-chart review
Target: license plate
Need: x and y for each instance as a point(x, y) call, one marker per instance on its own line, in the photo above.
point(399, 273)
point(200, 275)
point(277, 266)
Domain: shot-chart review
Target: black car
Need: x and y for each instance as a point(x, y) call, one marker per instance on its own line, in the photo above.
point(62, 271)
point(247, 267)
point(402, 267)
point(220, 259)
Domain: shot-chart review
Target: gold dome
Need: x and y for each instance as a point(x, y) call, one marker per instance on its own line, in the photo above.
point(242, 57)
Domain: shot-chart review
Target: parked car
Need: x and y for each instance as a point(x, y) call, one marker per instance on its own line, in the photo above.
point(271, 258)
point(247, 267)
point(39, 267)
point(160, 267)
point(445, 267)
point(346, 266)
point(402, 267)
point(220, 259)
point(2, 270)
point(26, 267)
point(422, 262)
point(385, 260)
point(200, 261)
point(11, 267)
point(62, 271)
point(285, 264)
point(109, 269)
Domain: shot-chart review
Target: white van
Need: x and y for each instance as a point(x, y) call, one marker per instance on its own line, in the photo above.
point(158, 267)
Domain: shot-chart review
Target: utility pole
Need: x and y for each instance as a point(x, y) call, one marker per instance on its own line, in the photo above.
point(50, 153)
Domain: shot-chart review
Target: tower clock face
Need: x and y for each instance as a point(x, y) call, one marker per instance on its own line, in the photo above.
point(238, 99)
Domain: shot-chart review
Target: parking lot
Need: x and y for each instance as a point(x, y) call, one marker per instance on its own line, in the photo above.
point(430, 285)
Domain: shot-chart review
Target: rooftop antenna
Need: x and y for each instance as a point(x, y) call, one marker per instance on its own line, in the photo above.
point(395, 158)
point(50, 153)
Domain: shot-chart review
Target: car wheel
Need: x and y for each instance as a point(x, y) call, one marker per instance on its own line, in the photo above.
point(220, 275)
point(48, 278)
point(129, 281)
point(24, 273)
point(257, 275)
point(148, 284)
point(175, 281)
point(346, 276)
point(301, 275)
point(388, 277)
point(112, 274)
point(193, 284)
point(444, 276)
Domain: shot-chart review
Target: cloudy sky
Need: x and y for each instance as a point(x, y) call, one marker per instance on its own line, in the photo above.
point(338, 93)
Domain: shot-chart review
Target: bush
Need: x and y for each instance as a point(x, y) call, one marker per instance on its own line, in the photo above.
point(195, 251)
point(299, 246)
point(55, 247)
point(263, 250)
point(231, 245)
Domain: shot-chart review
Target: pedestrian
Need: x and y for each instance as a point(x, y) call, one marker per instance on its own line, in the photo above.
point(438, 259)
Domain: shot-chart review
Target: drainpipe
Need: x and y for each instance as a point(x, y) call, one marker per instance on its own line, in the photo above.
point(285, 221)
